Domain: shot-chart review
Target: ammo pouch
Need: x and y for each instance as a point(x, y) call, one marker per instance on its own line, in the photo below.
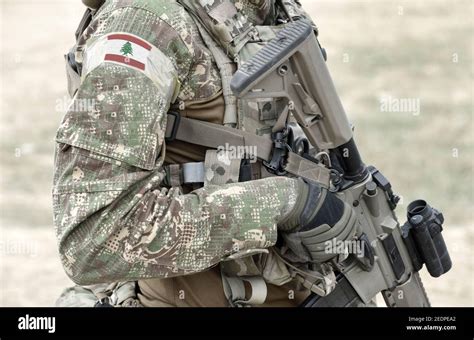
point(255, 267)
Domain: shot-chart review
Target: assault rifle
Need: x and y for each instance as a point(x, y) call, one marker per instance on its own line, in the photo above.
point(292, 68)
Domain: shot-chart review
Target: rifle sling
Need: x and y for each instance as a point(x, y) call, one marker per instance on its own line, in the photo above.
point(214, 136)
point(344, 295)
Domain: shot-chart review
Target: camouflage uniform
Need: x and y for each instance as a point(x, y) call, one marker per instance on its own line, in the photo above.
point(115, 217)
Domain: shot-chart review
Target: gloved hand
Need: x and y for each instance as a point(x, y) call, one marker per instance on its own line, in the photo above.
point(319, 219)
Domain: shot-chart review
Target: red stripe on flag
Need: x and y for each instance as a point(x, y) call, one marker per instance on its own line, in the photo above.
point(125, 60)
point(131, 39)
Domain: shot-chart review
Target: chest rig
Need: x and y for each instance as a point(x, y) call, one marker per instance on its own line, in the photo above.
point(261, 128)
point(255, 129)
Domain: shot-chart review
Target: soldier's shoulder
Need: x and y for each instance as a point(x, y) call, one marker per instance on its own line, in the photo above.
point(158, 7)
point(163, 23)
point(169, 11)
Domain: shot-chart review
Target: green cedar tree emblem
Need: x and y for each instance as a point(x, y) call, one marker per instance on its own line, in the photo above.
point(127, 49)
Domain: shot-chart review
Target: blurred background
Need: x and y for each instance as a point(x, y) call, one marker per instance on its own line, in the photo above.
point(404, 71)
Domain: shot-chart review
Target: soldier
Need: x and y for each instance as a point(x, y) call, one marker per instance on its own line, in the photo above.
point(132, 205)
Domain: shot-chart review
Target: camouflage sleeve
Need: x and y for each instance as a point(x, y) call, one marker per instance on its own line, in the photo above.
point(114, 221)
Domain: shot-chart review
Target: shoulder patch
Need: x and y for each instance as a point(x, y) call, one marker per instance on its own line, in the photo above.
point(163, 23)
point(131, 51)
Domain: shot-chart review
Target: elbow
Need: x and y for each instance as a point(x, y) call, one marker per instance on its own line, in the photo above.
point(80, 278)
point(87, 262)
point(77, 267)
point(80, 262)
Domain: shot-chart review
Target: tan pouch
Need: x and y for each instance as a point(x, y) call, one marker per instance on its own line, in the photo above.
point(117, 294)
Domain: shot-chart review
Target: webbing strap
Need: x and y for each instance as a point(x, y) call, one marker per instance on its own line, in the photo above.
point(234, 290)
point(319, 283)
point(214, 136)
point(174, 171)
point(300, 166)
point(344, 295)
point(220, 168)
point(226, 70)
point(193, 172)
point(114, 293)
point(186, 173)
point(223, 22)
point(123, 292)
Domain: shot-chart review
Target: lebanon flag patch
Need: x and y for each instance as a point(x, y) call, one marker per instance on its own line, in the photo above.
point(132, 52)
point(128, 50)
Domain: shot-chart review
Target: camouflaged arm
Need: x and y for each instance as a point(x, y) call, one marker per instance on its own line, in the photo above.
point(113, 220)
point(140, 233)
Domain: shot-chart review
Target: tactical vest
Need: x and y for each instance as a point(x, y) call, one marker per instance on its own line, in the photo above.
point(232, 39)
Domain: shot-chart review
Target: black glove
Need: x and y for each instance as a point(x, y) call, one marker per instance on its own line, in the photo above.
point(319, 221)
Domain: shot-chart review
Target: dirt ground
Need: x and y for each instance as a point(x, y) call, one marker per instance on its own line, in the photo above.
point(378, 51)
